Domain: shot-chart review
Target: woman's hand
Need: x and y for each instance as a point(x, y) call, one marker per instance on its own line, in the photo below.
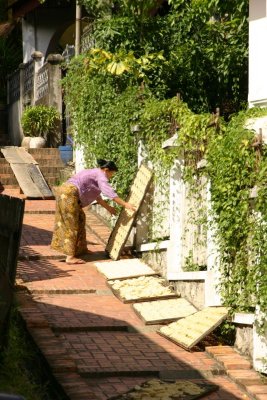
point(104, 204)
point(112, 210)
point(124, 204)
point(130, 206)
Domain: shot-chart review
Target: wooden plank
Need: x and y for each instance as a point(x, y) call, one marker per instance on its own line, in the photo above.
point(124, 269)
point(126, 219)
point(25, 181)
point(39, 181)
point(163, 311)
point(17, 155)
point(141, 289)
point(27, 172)
point(189, 331)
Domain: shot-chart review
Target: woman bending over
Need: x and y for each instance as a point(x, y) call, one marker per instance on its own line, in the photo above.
point(79, 191)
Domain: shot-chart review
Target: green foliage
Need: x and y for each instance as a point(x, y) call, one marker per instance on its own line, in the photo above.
point(39, 120)
point(104, 108)
point(210, 43)
point(16, 362)
point(205, 45)
point(161, 119)
point(147, 55)
point(235, 167)
point(107, 96)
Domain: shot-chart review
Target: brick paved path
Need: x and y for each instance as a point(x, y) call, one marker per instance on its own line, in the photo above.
point(96, 346)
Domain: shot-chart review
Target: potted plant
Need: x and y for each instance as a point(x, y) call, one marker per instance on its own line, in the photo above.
point(39, 123)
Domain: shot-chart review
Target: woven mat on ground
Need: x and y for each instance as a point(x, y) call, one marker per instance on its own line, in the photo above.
point(157, 389)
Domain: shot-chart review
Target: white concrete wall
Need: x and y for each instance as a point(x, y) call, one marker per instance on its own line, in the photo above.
point(257, 53)
point(79, 159)
point(258, 97)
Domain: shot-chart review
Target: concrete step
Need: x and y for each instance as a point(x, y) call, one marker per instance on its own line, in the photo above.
point(5, 169)
point(44, 156)
point(46, 170)
point(8, 179)
point(47, 156)
point(49, 162)
point(45, 151)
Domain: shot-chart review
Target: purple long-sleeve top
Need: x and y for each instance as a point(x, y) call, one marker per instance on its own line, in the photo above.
point(90, 183)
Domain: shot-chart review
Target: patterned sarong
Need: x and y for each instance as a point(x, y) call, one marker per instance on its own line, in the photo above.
point(69, 235)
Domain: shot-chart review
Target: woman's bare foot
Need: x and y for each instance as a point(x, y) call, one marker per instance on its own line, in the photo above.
point(73, 260)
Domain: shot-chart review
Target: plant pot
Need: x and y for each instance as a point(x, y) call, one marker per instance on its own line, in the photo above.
point(33, 142)
point(26, 142)
point(37, 142)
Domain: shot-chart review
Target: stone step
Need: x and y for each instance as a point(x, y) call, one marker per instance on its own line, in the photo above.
point(229, 357)
point(239, 370)
point(8, 179)
point(50, 163)
point(5, 169)
point(50, 154)
point(44, 156)
point(10, 190)
point(45, 151)
point(46, 170)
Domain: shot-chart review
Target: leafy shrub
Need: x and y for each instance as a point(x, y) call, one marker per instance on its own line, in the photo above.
point(39, 120)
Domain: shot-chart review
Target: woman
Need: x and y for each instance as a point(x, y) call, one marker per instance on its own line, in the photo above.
point(79, 191)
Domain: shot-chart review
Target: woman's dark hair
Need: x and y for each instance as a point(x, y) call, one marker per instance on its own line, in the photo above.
point(107, 164)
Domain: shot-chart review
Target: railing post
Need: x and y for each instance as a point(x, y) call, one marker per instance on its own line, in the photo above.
point(177, 204)
point(49, 91)
point(37, 57)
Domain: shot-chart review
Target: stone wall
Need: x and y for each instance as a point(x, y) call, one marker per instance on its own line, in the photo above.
point(34, 83)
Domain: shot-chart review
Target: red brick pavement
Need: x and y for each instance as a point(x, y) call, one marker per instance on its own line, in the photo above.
point(80, 326)
point(87, 312)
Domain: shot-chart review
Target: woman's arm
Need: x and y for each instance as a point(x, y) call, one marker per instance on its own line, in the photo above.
point(104, 204)
point(124, 204)
point(117, 200)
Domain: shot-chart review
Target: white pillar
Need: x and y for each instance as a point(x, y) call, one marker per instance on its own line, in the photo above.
point(79, 158)
point(260, 345)
point(142, 220)
point(78, 29)
point(177, 196)
point(257, 53)
point(212, 295)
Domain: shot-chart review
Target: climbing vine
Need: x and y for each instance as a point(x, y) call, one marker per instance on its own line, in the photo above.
point(104, 95)
point(205, 44)
point(237, 167)
point(119, 86)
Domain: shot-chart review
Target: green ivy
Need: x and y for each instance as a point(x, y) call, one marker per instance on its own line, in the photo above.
point(235, 167)
point(113, 88)
point(105, 106)
point(205, 45)
point(39, 120)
